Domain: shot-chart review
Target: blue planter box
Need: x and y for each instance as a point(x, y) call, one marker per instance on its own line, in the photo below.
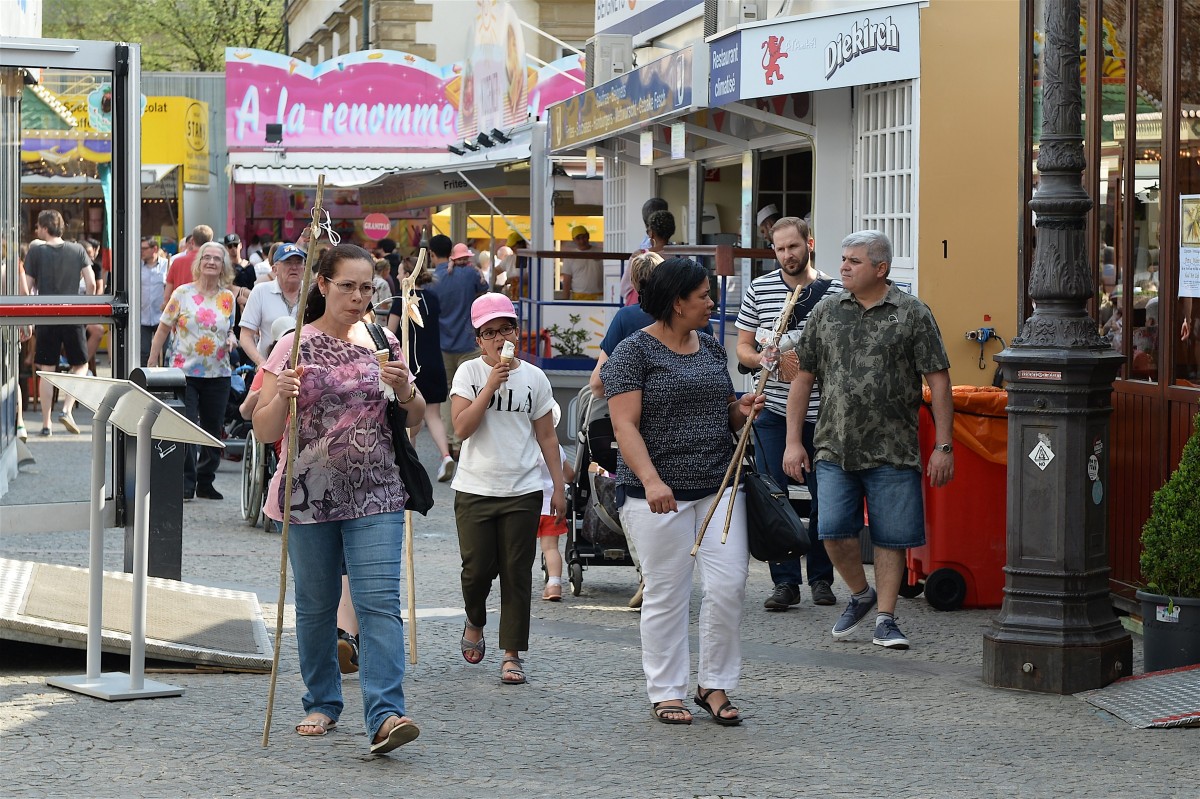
point(565, 364)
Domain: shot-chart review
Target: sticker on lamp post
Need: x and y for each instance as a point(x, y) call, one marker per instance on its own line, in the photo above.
point(1042, 454)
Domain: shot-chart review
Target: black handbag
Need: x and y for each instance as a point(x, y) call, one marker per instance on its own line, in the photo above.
point(774, 530)
point(416, 480)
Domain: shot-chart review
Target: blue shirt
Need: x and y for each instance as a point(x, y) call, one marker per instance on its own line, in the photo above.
point(627, 320)
point(456, 289)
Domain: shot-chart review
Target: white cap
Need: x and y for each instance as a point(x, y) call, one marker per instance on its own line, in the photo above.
point(282, 326)
point(766, 212)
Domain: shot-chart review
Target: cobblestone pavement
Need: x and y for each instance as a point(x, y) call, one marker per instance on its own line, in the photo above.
point(824, 718)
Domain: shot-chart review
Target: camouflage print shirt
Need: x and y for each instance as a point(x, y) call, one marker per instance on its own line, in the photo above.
point(869, 363)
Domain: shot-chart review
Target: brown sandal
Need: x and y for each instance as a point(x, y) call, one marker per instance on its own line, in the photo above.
point(400, 733)
point(318, 720)
point(553, 593)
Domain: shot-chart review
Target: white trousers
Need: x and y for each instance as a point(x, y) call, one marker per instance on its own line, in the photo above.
point(664, 542)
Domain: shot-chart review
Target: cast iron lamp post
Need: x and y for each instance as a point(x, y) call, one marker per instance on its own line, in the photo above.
point(1056, 631)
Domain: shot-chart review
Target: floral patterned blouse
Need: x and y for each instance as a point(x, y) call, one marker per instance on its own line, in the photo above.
point(201, 331)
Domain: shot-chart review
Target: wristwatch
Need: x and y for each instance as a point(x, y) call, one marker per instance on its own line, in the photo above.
point(944, 447)
point(410, 396)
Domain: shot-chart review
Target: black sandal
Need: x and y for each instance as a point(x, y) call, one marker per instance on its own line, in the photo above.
point(701, 699)
point(671, 714)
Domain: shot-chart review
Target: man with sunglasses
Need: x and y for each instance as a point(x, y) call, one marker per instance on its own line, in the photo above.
point(456, 283)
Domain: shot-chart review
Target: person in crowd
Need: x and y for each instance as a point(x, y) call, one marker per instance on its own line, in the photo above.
point(347, 500)
point(385, 289)
point(582, 278)
point(761, 306)
point(24, 333)
point(502, 264)
point(94, 333)
point(456, 284)
point(392, 256)
point(271, 300)
point(768, 215)
point(199, 318)
point(180, 271)
point(868, 347)
point(672, 406)
point(425, 356)
point(56, 267)
point(503, 410)
point(153, 277)
point(244, 273)
point(551, 527)
point(628, 295)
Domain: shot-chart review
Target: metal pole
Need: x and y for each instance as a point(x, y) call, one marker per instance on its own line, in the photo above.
point(96, 542)
point(366, 25)
point(141, 516)
point(1056, 631)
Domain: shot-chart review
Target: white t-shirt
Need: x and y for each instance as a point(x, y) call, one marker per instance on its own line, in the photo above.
point(547, 480)
point(587, 276)
point(264, 305)
point(500, 459)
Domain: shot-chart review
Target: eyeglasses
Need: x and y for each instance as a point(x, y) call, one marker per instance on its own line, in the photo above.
point(506, 330)
point(212, 258)
point(348, 287)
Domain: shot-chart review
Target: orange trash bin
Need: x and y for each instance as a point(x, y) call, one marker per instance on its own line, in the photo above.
point(962, 561)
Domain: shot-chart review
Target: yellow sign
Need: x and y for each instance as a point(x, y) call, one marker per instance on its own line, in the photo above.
point(478, 226)
point(175, 131)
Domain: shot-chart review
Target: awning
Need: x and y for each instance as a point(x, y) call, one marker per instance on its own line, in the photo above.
point(343, 177)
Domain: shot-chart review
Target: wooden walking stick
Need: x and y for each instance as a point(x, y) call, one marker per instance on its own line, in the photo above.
point(739, 451)
point(292, 430)
point(411, 311)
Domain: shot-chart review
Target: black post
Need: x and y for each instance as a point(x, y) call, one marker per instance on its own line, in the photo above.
point(1056, 631)
point(366, 25)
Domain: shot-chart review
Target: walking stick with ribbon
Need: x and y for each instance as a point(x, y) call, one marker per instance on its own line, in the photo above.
point(292, 429)
point(735, 465)
point(411, 311)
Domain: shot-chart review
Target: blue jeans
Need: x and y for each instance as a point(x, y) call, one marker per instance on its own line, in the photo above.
point(371, 548)
point(772, 436)
point(893, 495)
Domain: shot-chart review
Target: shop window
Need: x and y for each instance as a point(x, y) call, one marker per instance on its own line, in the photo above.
point(786, 181)
point(883, 185)
point(1184, 338)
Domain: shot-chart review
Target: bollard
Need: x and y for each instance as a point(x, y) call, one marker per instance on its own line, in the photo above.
point(165, 552)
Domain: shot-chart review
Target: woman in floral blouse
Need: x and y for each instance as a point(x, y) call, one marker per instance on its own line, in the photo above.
point(199, 319)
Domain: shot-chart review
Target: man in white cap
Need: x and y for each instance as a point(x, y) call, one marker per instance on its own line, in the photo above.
point(768, 215)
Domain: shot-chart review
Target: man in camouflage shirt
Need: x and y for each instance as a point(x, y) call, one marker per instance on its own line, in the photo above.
point(868, 347)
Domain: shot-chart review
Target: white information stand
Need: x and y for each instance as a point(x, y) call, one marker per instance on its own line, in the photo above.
point(136, 412)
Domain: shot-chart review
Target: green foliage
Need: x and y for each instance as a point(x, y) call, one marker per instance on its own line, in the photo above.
point(1171, 536)
point(569, 341)
point(176, 35)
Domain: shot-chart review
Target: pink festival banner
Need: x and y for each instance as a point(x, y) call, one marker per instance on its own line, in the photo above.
point(372, 100)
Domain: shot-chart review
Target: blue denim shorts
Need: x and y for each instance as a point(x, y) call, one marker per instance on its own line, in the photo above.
point(893, 496)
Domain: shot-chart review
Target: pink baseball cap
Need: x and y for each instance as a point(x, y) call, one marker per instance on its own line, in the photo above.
point(460, 251)
point(491, 306)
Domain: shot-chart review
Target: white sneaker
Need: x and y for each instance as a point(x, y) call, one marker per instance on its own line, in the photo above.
point(446, 469)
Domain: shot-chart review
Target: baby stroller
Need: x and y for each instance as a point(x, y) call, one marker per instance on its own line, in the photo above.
point(594, 534)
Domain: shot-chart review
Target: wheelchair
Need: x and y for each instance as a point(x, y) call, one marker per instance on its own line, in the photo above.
point(258, 466)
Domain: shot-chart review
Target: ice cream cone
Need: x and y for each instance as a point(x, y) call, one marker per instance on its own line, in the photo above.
point(383, 356)
point(507, 353)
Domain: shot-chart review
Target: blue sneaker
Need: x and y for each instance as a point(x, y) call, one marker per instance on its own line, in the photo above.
point(888, 634)
point(853, 615)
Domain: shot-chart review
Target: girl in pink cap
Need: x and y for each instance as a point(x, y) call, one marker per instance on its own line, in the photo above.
point(502, 409)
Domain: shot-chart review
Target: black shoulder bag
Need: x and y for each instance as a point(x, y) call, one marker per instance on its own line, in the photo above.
point(412, 473)
point(774, 530)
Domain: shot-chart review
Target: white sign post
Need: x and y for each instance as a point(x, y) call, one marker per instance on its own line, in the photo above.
point(134, 411)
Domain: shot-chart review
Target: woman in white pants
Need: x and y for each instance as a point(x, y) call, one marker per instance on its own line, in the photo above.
point(672, 407)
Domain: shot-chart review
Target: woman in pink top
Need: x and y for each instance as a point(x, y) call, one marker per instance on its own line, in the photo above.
point(347, 500)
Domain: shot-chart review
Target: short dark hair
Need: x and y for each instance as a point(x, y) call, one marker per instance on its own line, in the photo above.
point(661, 225)
point(387, 245)
point(650, 206)
point(441, 246)
point(673, 279)
point(51, 220)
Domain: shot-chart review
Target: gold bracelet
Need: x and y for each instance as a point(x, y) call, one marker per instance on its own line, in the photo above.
point(411, 395)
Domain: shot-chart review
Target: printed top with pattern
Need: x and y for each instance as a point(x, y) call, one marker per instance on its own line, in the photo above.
point(685, 411)
point(870, 362)
point(500, 459)
point(761, 306)
point(345, 466)
point(201, 330)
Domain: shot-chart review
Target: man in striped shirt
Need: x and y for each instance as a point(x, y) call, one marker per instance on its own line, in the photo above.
point(761, 306)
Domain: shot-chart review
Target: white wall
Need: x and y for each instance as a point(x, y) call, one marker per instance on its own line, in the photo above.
point(309, 16)
point(833, 207)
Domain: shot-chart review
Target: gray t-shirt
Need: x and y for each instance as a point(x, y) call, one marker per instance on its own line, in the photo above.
point(57, 267)
point(685, 411)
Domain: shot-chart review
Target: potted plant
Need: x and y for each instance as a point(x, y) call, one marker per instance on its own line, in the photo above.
point(568, 345)
point(1171, 566)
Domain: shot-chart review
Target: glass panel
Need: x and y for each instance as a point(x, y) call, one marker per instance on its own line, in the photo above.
point(57, 196)
point(1186, 338)
point(1147, 204)
point(1113, 157)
